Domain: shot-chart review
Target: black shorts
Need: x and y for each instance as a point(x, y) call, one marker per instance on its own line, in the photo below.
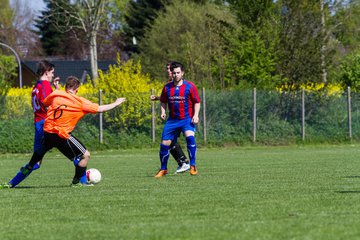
point(72, 148)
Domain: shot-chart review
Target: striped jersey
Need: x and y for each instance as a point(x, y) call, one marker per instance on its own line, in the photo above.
point(39, 92)
point(180, 99)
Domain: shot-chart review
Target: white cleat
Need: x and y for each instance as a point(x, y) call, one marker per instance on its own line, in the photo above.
point(184, 167)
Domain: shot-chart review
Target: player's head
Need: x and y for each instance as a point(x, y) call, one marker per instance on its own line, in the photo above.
point(45, 69)
point(174, 65)
point(177, 70)
point(72, 84)
point(168, 71)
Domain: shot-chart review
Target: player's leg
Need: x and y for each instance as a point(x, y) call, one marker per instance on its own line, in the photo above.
point(189, 132)
point(39, 151)
point(25, 170)
point(178, 154)
point(166, 139)
point(76, 152)
point(39, 147)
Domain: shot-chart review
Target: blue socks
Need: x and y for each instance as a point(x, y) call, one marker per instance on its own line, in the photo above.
point(164, 156)
point(21, 175)
point(191, 147)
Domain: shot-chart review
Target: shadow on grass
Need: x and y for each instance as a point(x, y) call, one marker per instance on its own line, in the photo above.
point(352, 177)
point(348, 191)
point(39, 187)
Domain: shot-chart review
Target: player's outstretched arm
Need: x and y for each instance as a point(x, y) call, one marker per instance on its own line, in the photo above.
point(107, 107)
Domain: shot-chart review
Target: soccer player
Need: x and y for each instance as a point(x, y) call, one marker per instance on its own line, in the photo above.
point(175, 148)
point(39, 92)
point(65, 109)
point(182, 98)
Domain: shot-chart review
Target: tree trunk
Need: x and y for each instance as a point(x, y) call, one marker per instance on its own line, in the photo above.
point(93, 57)
point(323, 47)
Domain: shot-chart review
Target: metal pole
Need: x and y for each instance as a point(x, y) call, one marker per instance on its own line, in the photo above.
point(254, 115)
point(349, 111)
point(303, 114)
point(18, 61)
point(204, 114)
point(153, 117)
point(100, 119)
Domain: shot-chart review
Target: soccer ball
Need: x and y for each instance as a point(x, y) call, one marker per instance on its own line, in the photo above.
point(93, 176)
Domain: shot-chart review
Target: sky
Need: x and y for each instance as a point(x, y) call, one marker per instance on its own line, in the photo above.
point(36, 5)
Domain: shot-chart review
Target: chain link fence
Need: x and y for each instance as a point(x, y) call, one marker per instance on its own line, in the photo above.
point(236, 117)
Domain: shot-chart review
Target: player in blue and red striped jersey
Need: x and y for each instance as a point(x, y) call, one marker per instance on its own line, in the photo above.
point(183, 101)
point(39, 92)
point(175, 148)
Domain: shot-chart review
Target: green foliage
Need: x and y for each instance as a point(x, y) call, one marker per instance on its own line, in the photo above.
point(127, 80)
point(349, 71)
point(7, 73)
point(17, 135)
point(7, 30)
point(188, 33)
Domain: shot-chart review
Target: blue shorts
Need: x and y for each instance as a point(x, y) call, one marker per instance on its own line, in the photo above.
point(173, 128)
point(39, 138)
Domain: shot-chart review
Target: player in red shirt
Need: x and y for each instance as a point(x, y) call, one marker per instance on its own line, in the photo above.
point(183, 101)
point(175, 148)
point(39, 92)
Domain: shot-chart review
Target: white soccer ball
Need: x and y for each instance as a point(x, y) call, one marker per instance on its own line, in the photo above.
point(93, 175)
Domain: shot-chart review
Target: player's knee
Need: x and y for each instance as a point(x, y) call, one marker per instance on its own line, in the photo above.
point(190, 140)
point(166, 142)
point(85, 159)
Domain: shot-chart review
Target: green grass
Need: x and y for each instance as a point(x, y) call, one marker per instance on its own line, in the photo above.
point(240, 193)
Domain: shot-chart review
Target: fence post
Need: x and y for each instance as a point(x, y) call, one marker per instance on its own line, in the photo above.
point(303, 114)
point(204, 114)
point(254, 115)
point(153, 117)
point(100, 119)
point(349, 112)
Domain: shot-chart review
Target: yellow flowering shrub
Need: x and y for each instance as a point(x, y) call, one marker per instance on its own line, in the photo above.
point(330, 89)
point(127, 80)
point(17, 103)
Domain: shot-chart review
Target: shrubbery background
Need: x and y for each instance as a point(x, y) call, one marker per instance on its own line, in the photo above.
point(229, 114)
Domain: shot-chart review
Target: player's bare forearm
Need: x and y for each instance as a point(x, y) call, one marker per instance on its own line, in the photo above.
point(107, 107)
point(163, 111)
point(195, 118)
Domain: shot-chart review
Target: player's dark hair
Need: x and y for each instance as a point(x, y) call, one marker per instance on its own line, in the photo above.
point(44, 66)
point(176, 65)
point(72, 83)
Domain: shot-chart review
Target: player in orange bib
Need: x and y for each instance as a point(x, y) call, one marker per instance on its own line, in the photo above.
point(65, 109)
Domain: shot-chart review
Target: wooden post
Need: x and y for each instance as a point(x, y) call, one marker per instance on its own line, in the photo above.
point(254, 115)
point(349, 112)
point(100, 119)
point(204, 114)
point(153, 117)
point(303, 114)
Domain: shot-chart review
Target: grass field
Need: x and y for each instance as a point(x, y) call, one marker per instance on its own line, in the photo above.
point(240, 193)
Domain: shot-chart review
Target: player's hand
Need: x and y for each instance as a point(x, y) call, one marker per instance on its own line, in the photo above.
point(154, 98)
point(57, 82)
point(195, 120)
point(163, 116)
point(120, 101)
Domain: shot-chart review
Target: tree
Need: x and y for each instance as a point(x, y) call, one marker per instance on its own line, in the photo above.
point(186, 32)
point(55, 40)
point(301, 42)
point(86, 15)
point(139, 17)
point(7, 30)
